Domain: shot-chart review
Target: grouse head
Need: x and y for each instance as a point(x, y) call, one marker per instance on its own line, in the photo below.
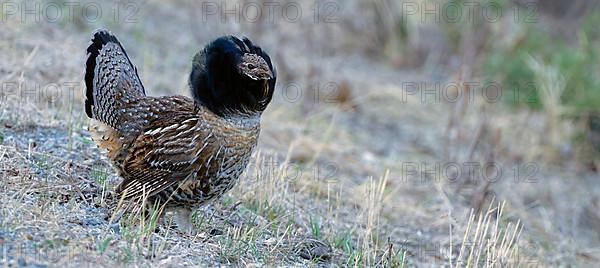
point(233, 76)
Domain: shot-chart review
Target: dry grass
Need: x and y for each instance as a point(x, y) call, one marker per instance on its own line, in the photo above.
point(486, 243)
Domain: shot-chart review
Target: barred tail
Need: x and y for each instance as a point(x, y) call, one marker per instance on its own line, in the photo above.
point(111, 80)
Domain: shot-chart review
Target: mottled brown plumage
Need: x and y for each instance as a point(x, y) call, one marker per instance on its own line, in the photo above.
point(176, 151)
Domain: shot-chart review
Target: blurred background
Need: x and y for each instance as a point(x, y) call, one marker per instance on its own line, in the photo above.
point(402, 133)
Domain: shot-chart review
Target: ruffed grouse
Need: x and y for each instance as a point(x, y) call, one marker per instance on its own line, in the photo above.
point(176, 151)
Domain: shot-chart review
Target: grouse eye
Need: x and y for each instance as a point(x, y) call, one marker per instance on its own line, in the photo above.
point(251, 66)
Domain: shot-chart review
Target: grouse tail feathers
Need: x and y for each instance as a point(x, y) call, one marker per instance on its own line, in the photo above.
point(111, 80)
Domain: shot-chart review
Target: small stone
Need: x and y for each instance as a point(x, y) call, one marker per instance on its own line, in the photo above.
point(314, 250)
point(215, 232)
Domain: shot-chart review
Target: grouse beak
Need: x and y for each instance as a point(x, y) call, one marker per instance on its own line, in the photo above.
point(268, 75)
